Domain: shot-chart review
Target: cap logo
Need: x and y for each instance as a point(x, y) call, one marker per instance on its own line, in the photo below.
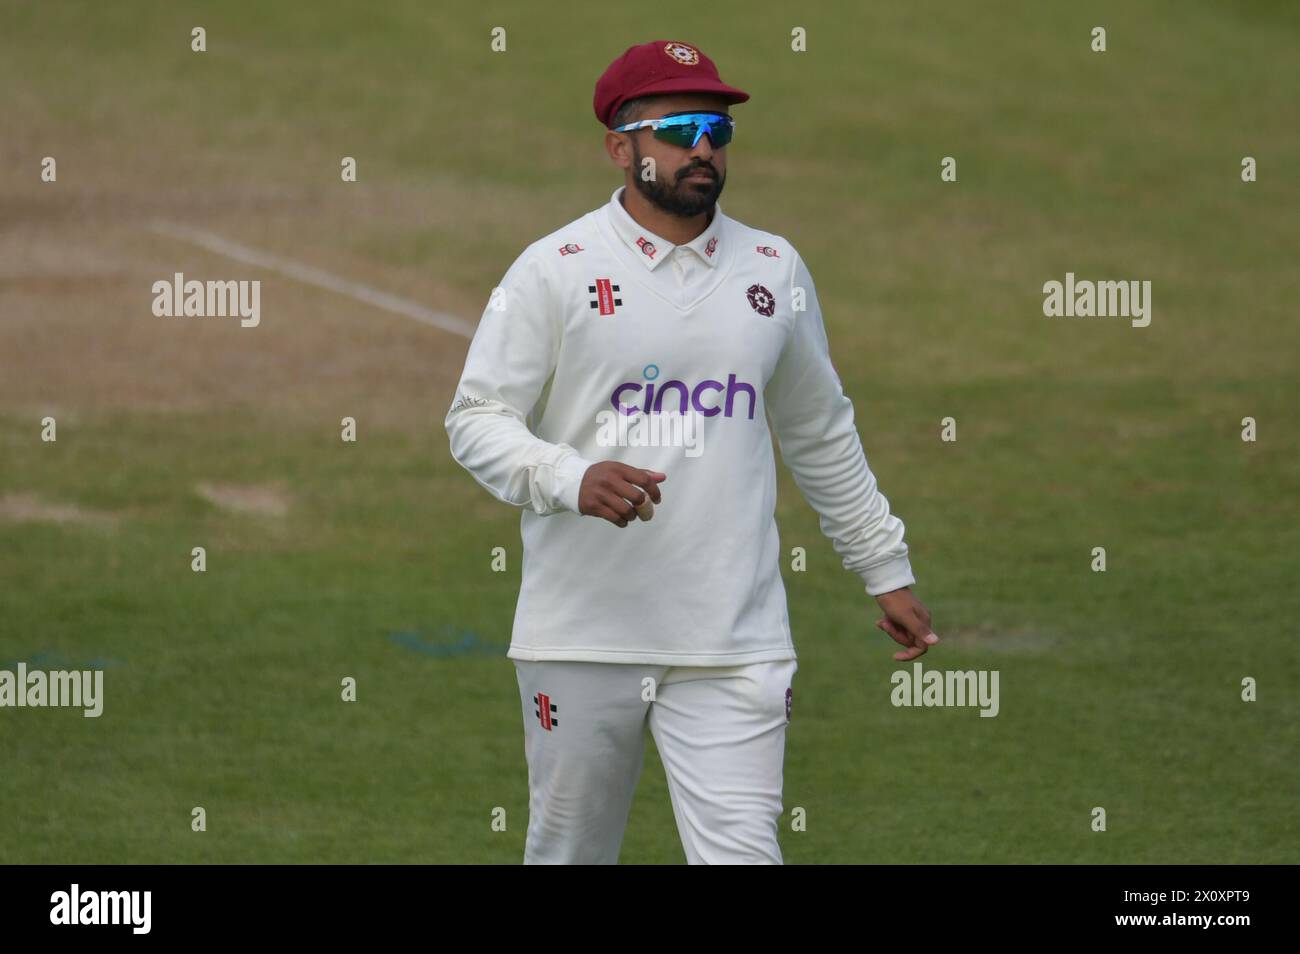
point(683, 54)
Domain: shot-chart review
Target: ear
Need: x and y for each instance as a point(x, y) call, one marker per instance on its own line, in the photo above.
point(619, 148)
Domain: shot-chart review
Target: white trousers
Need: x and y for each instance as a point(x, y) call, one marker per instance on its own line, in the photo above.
point(719, 730)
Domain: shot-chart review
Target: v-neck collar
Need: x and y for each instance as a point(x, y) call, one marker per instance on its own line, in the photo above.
point(651, 249)
point(715, 245)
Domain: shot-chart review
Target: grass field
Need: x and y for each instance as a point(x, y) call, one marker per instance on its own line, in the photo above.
point(371, 559)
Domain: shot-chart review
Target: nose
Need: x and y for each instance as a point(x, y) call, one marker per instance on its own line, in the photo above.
point(704, 148)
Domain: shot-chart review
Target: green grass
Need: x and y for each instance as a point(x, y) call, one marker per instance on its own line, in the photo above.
point(1118, 690)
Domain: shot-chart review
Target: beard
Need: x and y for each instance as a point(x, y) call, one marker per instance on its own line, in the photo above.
point(680, 198)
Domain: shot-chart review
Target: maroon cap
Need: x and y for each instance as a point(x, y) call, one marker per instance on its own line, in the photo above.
point(658, 67)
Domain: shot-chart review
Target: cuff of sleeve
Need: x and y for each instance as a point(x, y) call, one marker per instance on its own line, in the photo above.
point(885, 577)
point(568, 480)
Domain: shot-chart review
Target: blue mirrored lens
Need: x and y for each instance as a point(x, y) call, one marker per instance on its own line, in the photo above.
point(685, 129)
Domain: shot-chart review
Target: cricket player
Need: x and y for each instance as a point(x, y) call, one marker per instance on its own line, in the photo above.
point(651, 594)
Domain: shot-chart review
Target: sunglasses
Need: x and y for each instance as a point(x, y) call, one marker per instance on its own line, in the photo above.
point(685, 129)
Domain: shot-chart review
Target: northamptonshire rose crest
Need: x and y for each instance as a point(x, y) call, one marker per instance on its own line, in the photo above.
point(683, 54)
point(761, 300)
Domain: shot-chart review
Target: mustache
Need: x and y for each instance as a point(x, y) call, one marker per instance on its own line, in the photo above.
point(690, 170)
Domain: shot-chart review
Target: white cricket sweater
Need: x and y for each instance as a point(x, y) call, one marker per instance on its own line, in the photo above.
point(592, 323)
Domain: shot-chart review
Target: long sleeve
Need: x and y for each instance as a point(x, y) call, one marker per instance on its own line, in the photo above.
point(510, 362)
point(813, 421)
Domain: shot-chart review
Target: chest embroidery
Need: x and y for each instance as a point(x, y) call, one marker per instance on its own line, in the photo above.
point(605, 296)
point(761, 300)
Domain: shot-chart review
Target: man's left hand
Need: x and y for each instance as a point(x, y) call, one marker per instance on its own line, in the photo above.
point(907, 622)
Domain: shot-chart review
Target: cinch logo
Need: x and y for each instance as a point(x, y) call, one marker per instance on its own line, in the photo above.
point(687, 398)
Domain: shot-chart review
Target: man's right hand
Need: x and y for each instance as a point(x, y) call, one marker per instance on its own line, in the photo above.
point(613, 491)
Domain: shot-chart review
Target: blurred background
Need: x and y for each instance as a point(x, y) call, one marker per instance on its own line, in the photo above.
point(371, 559)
